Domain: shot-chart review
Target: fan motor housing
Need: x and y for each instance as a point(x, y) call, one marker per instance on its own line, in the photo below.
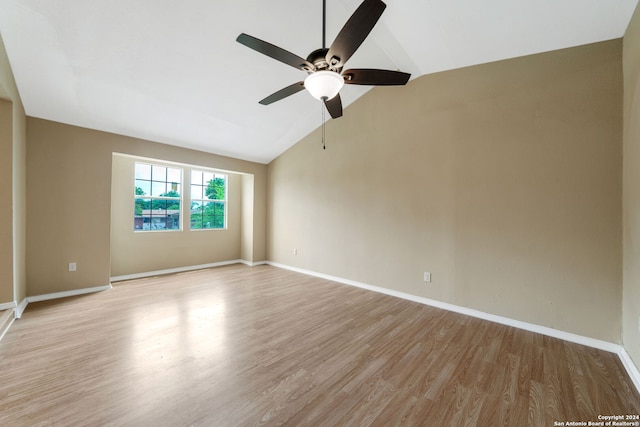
point(319, 59)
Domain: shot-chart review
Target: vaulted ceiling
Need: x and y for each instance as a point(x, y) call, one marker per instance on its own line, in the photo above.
point(172, 72)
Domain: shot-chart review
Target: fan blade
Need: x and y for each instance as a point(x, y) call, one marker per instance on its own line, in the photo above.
point(283, 93)
point(368, 76)
point(334, 106)
point(354, 32)
point(275, 52)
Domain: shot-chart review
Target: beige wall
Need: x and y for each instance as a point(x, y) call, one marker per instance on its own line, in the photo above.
point(69, 198)
point(631, 183)
point(503, 180)
point(6, 191)
point(246, 217)
point(138, 252)
point(19, 201)
point(13, 175)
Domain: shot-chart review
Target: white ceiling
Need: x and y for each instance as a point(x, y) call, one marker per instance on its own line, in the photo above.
point(172, 72)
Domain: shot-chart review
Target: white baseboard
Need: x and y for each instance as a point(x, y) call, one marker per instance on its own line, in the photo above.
point(253, 264)
point(20, 308)
point(8, 305)
point(65, 294)
point(176, 270)
point(631, 368)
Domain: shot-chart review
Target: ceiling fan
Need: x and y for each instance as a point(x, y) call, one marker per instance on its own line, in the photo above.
point(324, 65)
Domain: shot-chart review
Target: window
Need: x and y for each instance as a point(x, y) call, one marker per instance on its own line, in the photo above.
point(208, 200)
point(157, 197)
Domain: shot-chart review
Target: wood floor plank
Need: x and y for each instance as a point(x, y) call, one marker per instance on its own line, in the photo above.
point(536, 412)
point(262, 346)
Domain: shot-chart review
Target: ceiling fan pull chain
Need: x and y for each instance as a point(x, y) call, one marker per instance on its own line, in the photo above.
point(324, 147)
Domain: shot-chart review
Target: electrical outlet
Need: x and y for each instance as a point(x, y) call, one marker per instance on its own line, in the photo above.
point(73, 266)
point(427, 276)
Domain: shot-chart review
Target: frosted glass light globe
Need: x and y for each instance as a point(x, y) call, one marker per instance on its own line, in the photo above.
point(324, 84)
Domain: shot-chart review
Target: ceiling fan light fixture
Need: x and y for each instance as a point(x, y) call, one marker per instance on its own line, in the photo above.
point(324, 84)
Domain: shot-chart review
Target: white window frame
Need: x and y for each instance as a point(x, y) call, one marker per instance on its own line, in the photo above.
point(139, 225)
point(203, 200)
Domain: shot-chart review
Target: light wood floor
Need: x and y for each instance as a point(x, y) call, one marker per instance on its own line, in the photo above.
point(241, 346)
